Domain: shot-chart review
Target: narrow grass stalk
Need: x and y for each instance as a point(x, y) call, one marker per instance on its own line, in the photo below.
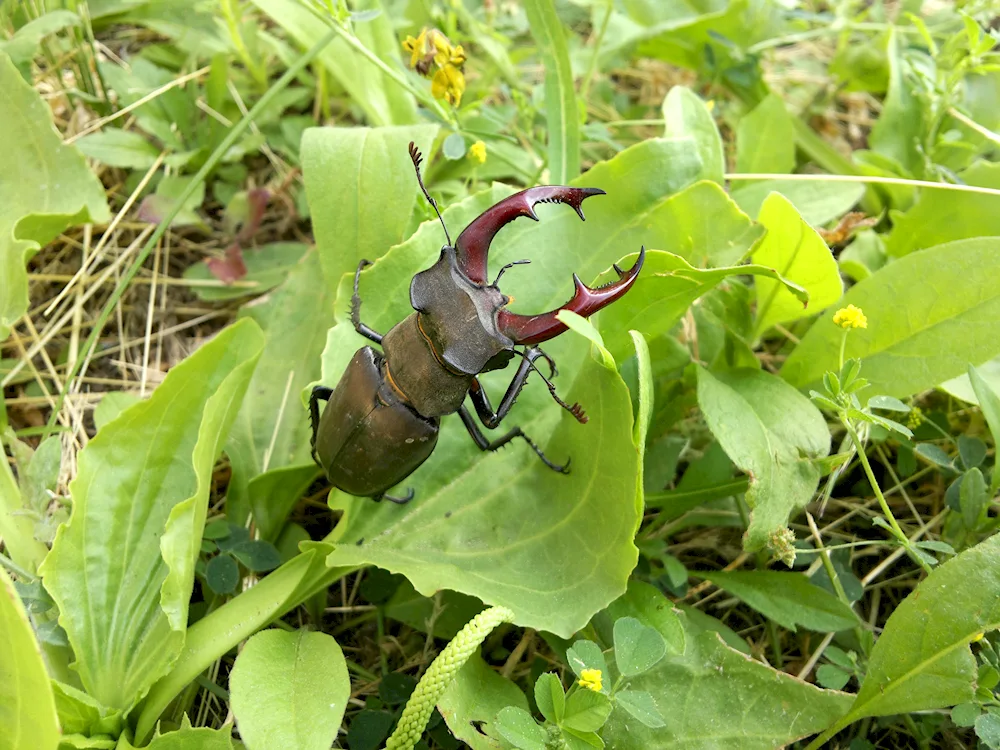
point(197, 181)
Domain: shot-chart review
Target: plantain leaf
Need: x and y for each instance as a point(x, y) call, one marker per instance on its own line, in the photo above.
point(929, 315)
point(361, 191)
point(687, 116)
point(478, 694)
point(46, 187)
point(27, 708)
point(269, 443)
point(122, 568)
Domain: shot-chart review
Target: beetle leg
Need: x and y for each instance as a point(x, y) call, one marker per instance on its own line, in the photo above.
point(398, 500)
point(492, 419)
point(360, 327)
point(491, 445)
point(319, 393)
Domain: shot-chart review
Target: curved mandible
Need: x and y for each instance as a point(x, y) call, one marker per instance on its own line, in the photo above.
point(473, 245)
point(534, 329)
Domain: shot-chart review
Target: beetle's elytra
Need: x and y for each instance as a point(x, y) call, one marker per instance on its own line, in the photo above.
point(381, 421)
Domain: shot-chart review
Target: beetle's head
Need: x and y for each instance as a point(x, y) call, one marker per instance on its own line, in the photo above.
point(465, 317)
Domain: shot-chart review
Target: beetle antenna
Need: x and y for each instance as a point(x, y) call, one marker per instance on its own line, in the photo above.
point(417, 157)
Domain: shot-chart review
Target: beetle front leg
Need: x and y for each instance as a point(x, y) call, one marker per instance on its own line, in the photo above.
point(486, 444)
point(368, 333)
point(319, 393)
point(492, 418)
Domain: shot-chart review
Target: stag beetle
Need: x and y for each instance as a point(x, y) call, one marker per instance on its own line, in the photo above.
point(381, 421)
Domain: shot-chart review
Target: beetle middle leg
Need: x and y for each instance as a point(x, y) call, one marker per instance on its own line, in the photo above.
point(398, 500)
point(486, 444)
point(368, 333)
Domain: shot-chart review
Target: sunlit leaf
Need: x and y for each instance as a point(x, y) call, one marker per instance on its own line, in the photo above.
point(929, 315)
point(765, 139)
point(122, 568)
point(816, 201)
point(794, 249)
point(687, 116)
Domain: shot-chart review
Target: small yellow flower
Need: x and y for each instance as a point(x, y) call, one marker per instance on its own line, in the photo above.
point(477, 152)
point(916, 418)
point(850, 317)
point(449, 84)
point(591, 679)
point(416, 47)
point(977, 637)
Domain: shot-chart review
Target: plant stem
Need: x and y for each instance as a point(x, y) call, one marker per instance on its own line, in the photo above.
point(896, 530)
point(196, 182)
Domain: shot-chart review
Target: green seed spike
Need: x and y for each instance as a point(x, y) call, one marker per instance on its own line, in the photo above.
point(440, 675)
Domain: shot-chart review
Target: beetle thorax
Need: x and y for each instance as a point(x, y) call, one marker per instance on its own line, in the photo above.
point(458, 316)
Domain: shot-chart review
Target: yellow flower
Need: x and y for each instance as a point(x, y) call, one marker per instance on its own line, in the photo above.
point(477, 152)
point(591, 679)
point(850, 317)
point(977, 637)
point(449, 84)
point(416, 47)
point(916, 418)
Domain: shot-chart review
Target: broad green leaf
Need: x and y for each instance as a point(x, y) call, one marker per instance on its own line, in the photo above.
point(478, 694)
point(586, 710)
point(794, 249)
point(361, 190)
point(864, 256)
point(269, 444)
point(383, 101)
point(941, 216)
point(989, 402)
point(289, 690)
point(687, 117)
point(929, 315)
point(122, 568)
point(222, 574)
point(562, 119)
point(645, 603)
point(550, 697)
point(642, 706)
point(665, 289)
point(112, 404)
point(765, 139)
point(267, 266)
point(484, 547)
point(961, 387)
point(772, 432)
point(817, 202)
point(637, 647)
point(787, 598)
point(119, 148)
point(17, 528)
point(27, 708)
point(897, 131)
point(922, 660)
point(46, 187)
point(762, 708)
point(518, 727)
point(81, 714)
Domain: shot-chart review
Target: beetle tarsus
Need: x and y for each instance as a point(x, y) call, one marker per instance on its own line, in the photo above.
point(369, 333)
point(398, 500)
point(486, 444)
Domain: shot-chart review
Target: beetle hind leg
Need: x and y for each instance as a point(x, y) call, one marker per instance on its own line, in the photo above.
point(319, 393)
point(486, 444)
point(398, 500)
